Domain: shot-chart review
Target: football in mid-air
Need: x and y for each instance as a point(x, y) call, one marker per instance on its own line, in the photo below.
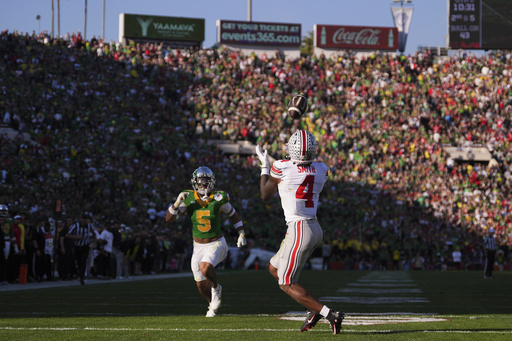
point(298, 106)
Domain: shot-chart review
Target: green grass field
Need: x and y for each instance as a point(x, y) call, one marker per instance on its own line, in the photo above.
point(378, 305)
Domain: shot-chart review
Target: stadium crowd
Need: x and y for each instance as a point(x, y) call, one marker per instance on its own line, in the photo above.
point(116, 128)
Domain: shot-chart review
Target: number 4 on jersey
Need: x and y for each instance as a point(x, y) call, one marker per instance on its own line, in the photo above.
point(305, 190)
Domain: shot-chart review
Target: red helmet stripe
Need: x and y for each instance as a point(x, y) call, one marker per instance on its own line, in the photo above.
point(304, 142)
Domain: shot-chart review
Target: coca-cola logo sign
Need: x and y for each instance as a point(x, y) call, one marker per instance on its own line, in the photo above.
point(365, 36)
point(358, 37)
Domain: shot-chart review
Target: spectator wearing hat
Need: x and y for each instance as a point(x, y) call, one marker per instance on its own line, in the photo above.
point(490, 253)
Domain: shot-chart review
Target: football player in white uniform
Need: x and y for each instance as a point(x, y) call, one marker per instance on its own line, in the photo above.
point(299, 182)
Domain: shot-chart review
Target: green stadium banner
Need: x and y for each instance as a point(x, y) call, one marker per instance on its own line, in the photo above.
point(152, 27)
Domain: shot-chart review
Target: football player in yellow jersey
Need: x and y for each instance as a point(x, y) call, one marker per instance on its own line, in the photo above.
point(204, 207)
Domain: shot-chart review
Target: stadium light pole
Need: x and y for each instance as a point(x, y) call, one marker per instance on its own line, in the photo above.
point(58, 18)
point(38, 18)
point(103, 28)
point(85, 21)
point(249, 10)
point(53, 18)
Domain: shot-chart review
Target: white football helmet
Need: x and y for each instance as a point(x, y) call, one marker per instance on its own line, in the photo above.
point(302, 147)
point(203, 180)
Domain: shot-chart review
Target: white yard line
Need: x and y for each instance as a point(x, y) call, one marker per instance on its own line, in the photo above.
point(379, 288)
point(271, 330)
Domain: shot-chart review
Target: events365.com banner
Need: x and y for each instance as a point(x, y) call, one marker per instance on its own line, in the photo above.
point(258, 33)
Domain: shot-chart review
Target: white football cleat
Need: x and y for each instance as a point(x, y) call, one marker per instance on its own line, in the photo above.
point(210, 313)
point(216, 297)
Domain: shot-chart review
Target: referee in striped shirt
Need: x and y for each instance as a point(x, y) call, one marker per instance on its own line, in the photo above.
point(490, 253)
point(81, 233)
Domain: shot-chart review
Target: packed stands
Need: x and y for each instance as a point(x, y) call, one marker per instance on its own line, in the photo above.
point(117, 130)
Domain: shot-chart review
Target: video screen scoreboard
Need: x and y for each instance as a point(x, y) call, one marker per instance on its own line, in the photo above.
point(480, 24)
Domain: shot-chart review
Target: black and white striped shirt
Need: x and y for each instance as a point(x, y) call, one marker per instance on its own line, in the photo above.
point(84, 230)
point(490, 243)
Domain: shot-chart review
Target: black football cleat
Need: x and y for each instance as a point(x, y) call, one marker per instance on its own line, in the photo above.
point(335, 318)
point(312, 317)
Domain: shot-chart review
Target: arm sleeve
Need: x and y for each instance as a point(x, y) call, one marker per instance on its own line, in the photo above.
point(226, 208)
point(182, 208)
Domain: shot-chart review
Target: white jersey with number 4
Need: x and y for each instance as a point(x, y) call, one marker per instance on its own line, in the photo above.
point(299, 188)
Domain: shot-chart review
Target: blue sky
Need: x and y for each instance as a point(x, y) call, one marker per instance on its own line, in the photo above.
point(428, 26)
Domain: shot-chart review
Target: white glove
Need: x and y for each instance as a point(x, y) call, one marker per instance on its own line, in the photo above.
point(241, 239)
point(181, 198)
point(263, 156)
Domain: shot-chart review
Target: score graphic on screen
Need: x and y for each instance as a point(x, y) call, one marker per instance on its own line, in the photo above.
point(480, 24)
point(465, 24)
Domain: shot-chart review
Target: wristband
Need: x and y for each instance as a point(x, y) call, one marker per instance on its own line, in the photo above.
point(265, 171)
point(172, 211)
point(238, 224)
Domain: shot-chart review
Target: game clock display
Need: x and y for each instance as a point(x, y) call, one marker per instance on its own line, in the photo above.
point(465, 24)
point(480, 24)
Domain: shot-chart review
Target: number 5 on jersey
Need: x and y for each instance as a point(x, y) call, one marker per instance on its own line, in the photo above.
point(203, 221)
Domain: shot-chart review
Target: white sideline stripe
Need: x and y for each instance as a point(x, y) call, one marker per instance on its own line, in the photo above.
point(265, 330)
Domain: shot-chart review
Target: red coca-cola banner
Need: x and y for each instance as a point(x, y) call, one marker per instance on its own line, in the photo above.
point(356, 37)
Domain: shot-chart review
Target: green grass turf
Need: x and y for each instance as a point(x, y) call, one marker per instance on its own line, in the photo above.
point(470, 307)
